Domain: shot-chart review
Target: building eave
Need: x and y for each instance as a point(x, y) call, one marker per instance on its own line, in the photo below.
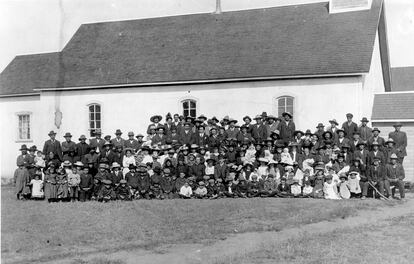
point(250, 79)
point(19, 95)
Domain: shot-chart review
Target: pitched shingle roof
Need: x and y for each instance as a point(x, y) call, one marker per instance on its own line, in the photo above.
point(286, 41)
point(393, 106)
point(402, 79)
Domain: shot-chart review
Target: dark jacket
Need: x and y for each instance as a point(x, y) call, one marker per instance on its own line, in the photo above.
point(54, 147)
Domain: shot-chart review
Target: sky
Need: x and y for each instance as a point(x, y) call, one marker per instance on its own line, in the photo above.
point(39, 26)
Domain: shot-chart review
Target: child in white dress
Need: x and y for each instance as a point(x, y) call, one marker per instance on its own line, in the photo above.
point(37, 187)
point(330, 189)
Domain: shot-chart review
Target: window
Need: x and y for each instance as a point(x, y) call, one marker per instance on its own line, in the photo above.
point(94, 118)
point(189, 108)
point(284, 104)
point(24, 127)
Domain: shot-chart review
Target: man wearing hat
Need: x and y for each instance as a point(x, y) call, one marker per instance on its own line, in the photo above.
point(376, 153)
point(320, 130)
point(107, 153)
point(97, 142)
point(389, 149)
point(82, 148)
point(23, 158)
point(169, 124)
point(247, 122)
point(68, 145)
point(200, 138)
point(333, 128)
point(244, 135)
point(53, 145)
point(341, 139)
point(394, 176)
point(365, 131)
point(376, 138)
point(272, 125)
point(349, 126)
point(155, 119)
point(355, 141)
point(259, 132)
point(131, 142)
point(159, 138)
point(118, 140)
point(186, 137)
point(232, 132)
point(400, 139)
point(375, 175)
point(287, 127)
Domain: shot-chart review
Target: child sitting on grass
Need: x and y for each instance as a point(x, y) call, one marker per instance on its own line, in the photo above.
point(330, 189)
point(123, 192)
point(283, 188)
point(185, 191)
point(37, 186)
point(295, 189)
point(307, 189)
point(353, 184)
point(106, 193)
point(201, 191)
point(344, 187)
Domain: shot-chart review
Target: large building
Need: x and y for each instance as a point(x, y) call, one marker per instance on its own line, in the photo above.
point(308, 59)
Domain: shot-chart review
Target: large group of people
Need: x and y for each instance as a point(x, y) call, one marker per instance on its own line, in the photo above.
point(208, 158)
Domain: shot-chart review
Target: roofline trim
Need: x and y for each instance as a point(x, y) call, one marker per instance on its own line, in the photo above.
point(392, 120)
point(18, 95)
point(202, 81)
point(395, 92)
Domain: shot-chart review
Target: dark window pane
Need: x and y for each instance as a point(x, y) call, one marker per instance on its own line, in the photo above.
point(192, 104)
point(290, 109)
point(91, 124)
point(185, 104)
point(91, 117)
point(91, 109)
point(185, 112)
point(289, 100)
point(98, 124)
point(193, 113)
point(97, 108)
point(98, 116)
point(281, 102)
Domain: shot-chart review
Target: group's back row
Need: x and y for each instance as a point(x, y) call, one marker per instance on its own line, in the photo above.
point(212, 133)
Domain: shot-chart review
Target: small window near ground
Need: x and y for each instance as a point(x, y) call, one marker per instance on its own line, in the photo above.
point(189, 108)
point(285, 104)
point(24, 127)
point(94, 118)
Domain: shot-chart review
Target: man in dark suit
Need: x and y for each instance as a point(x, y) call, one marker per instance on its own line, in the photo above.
point(376, 138)
point(118, 140)
point(82, 148)
point(53, 145)
point(349, 126)
point(131, 142)
point(169, 124)
point(107, 155)
point(200, 138)
point(376, 153)
point(232, 132)
point(365, 131)
point(186, 137)
point(68, 145)
point(287, 127)
point(355, 141)
point(400, 139)
point(159, 138)
point(97, 142)
point(259, 132)
point(247, 122)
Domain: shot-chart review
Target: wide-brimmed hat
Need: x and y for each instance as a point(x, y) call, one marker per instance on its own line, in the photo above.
point(364, 119)
point(280, 144)
point(52, 133)
point(349, 115)
point(139, 135)
point(129, 149)
point(33, 148)
point(194, 146)
point(297, 132)
point(23, 147)
point(272, 117)
point(375, 143)
point(376, 129)
point(107, 182)
point(340, 130)
point(247, 117)
point(66, 163)
point(104, 166)
point(122, 181)
point(398, 124)
point(347, 146)
point(156, 116)
point(67, 134)
point(327, 132)
point(308, 132)
point(82, 137)
point(132, 166)
point(107, 137)
point(333, 121)
point(215, 119)
point(118, 132)
point(107, 143)
point(343, 176)
point(78, 164)
point(287, 113)
point(320, 125)
point(361, 143)
point(258, 117)
point(232, 120)
point(115, 165)
point(202, 117)
point(390, 140)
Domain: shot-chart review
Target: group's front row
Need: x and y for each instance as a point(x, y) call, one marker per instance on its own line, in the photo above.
point(72, 182)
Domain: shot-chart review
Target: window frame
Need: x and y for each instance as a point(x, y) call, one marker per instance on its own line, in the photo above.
point(189, 99)
point(94, 104)
point(286, 106)
point(30, 127)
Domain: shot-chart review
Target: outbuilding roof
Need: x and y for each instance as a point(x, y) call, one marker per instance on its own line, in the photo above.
point(393, 106)
point(281, 42)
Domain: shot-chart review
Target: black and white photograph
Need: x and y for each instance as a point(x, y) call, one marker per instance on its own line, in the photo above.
point(207, 131)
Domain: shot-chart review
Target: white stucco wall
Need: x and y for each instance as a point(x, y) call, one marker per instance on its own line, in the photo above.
point(10, 145)
point(316, 100)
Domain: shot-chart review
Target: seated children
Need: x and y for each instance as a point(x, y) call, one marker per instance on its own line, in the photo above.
point(295, 189)
point(353, 183)
point(201, 191)
point(123, 192)
point(185, 191)
point(283, 189)
point(330, 189)
point(106, 193)
point(344, 187)
point(254, 187)
point(37, 186)
point(307, 189)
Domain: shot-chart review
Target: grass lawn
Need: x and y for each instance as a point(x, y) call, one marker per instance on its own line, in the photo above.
point(37, 231)
point(390, 241)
